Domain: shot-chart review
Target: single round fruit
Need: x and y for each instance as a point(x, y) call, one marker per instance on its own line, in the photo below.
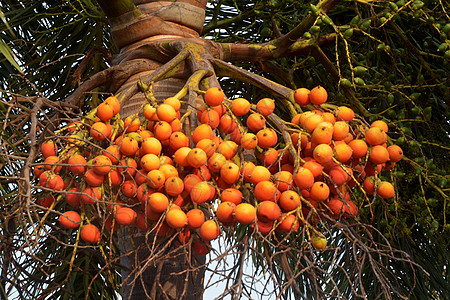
point(318, 95)
point(245, 213)
point(90, 234)
point(70, 219)
point(209, 231)
point(125, 216)
point(214, 96)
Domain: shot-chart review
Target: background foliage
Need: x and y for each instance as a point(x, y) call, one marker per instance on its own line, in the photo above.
point(387, 60)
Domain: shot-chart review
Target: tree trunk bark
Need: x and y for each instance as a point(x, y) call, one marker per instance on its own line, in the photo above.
point(133, 27)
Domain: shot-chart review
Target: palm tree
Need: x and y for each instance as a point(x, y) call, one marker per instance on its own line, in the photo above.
point(385, 60)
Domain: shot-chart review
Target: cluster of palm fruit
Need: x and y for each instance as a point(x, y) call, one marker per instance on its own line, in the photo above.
point(240, 163)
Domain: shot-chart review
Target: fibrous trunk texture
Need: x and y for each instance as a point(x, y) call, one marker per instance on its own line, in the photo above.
point(134, 34)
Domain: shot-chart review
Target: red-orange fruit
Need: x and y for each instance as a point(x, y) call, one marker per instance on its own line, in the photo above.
point(329, 117)
point(46, 201)
point(267, 138)
point(166, 113)
point(288, 223)
point(249, 141)
point(101, 164)
point(208, 146)
point(289, 200)
point(150, 145)
point(195, 218)
point(340, 130)
point(229, 172)
point(216, 161)
point(180, 156)
point(47, 179)
point(345, 113)
point(203, 172)
point(266, 191)
point(283, 180)
point(311, 121)
point(265, 106)
point(203, 131)
point(231, 195)
point(225, 212)
point(100, 131)
point(92, 178)
point(38, 170)
point(240, 106)
point(227, 124)
point(114, 102)
point(158, 202)
point(268, 211)
point(201, 192)
point(129, 146)
point(319, 191)
point(105, 111)
point(113, 153)
point(256, 122)
point(318, 95)
point(156, 179)
point(115, 177)
point(304, 178)
point(338, 175)
point(49, 148)
point(269, 156)
point(91, 194)
point(214, 96)
point(176, 218)
point(142, 222)
point(90, 234)
point(174, 186)
point(125, 216)
point(129, 188)
point(228, 149)
point(162, 130)
point(131, 124)
point(174, 102)
point(264, 227)
point(385, 190)
point(77, 164)
point(315, 168)
point(378, 155)
point(245, 213)
point(190, 181)
point(322, 134)
point(210, 117)
point(342, 152)
point(259, 173)
point(369, 184)
point(380, 124)
point(359, 148)
point(70, 219)
point(246, 170)
point(196, 158)
point(53, 163)
point(150, 162)
point(301, 96)
point(375, 136)
point(72, 197)
point(395, 153)
point(128, 167)
point(209, 231)
point(323, 153)
point(150, 112)
point(338, 208)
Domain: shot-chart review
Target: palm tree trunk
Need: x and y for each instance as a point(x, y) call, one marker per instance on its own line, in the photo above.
point(133, 26)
